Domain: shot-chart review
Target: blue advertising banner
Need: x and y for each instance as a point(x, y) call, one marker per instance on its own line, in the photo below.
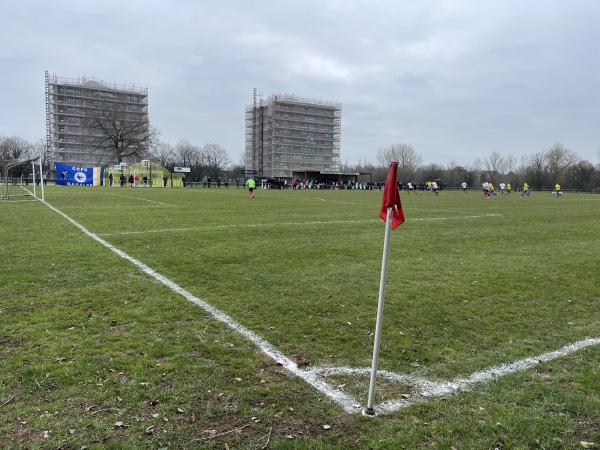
point(78, 176)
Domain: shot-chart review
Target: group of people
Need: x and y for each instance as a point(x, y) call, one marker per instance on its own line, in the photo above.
point(131, 180)
point(489, 189)
point(206, 183)
point(411, 186)
point(432, 186)
point(506, 189)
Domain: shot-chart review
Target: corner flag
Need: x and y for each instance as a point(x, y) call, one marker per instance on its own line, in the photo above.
point(391, 212)
point(391, 198)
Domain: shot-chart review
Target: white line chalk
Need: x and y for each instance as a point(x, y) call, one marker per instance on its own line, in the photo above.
point(424, 389)
point(293, 224)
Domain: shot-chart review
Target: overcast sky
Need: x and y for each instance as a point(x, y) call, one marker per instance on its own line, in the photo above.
point(454, 79)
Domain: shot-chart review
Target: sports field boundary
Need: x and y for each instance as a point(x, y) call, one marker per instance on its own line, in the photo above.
point(316, 376)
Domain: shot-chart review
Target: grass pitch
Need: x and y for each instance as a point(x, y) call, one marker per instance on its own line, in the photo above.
point(96, 353)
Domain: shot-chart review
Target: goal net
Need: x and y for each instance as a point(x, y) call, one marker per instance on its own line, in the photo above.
point(16, 182)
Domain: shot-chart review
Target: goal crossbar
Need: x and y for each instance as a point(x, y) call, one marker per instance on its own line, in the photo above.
point(14, 189)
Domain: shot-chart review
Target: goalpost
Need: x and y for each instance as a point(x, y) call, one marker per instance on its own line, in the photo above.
point(15, 189)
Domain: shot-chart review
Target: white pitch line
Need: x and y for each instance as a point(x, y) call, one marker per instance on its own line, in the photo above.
point(319, 199)
point(456, 217)
point(140, 199)
point(427, 388)
point(169, 230)
point(348, 403)
point(297, 224)
point(242, 225)
point(293, 224)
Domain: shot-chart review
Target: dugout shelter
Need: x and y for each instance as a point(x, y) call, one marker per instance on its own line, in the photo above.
point(146, 168)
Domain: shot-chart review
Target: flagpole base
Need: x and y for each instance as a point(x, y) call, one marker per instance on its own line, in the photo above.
point(369, 412)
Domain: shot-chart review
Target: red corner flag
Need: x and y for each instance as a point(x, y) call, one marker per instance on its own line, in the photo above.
point(391, 198)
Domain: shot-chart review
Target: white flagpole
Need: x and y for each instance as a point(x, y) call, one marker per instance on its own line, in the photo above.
point(33, 169)
point(41, 179)
point(370, 411)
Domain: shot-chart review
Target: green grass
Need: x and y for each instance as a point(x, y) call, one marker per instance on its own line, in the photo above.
point(97, 354)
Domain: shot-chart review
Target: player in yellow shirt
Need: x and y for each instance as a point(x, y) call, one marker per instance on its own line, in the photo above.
point(557, 189)
point(508, 188)
point(525, 190)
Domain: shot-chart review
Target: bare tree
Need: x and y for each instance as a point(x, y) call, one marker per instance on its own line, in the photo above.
point(121, 133)
point(40, 150)
point(580, 175)
point(536, 170)
point(494, 164)
point(408, 160)
point(510, 163)
point(345, 167)
point(215, 159)
point(558, 160)
point(475, 170)
point(365, 166)
point(476, 166)
point(524, 164)
point(187, 154)
point(13, 147)
point(15, 153)
point(162, 153)
point(456, 174)
point(432, 172)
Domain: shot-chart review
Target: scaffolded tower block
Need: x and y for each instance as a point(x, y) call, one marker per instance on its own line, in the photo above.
point(70, 103)
point(287, 133)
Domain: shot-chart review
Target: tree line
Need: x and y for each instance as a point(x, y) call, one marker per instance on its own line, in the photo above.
point(541, 170)
point(209, 160)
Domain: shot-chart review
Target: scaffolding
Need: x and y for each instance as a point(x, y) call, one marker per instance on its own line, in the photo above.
point(72, 102)
point(286, 132)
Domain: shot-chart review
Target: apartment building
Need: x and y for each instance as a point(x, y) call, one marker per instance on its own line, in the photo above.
point(71, 104)
point(287, 133)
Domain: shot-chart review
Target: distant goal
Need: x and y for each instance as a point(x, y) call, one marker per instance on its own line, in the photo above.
point(15, 186)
